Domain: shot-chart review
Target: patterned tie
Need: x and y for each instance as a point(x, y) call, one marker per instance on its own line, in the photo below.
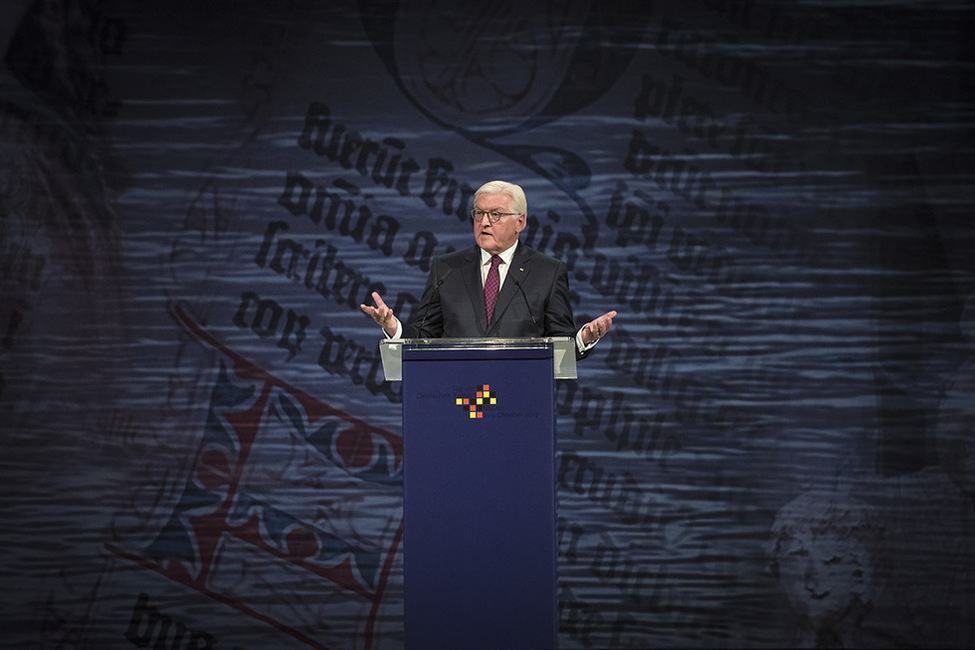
point(491, 287)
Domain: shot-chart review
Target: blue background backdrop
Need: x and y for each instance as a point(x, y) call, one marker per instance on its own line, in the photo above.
point(774, 446)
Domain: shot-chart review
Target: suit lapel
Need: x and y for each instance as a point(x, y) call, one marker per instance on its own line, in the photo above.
point(475, 289)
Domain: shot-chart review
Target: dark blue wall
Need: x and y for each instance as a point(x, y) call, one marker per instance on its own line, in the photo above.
point(774, 446)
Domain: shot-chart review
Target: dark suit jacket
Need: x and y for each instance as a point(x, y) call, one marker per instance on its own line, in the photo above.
point(453, 299)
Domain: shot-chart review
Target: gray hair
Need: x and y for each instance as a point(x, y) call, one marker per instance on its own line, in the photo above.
point(518, 203)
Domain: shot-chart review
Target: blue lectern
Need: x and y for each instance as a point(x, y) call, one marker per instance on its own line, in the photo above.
point(479, 490)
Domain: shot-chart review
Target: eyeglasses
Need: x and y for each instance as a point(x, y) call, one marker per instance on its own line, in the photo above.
point(493, 216)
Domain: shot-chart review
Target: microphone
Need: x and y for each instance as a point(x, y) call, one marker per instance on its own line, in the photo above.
point(435, 290)
point(525, 296)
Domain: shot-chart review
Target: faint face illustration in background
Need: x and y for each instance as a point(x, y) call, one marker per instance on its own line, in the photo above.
point(828, 557)
point(825, 575)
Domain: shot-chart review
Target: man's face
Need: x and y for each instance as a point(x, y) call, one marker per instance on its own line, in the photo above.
point(497, 237)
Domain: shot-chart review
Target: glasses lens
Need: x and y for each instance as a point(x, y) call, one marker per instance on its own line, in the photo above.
point(493, 216)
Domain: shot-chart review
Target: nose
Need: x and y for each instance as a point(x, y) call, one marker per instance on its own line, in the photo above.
point(811, 577)
point(807, 569)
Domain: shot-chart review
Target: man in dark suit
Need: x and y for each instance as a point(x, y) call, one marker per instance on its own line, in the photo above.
point(499, 288)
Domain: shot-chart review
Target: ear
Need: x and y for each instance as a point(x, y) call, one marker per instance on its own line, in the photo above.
point(520, 223)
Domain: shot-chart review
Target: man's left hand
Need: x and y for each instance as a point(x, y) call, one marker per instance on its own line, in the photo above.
point(597, 329)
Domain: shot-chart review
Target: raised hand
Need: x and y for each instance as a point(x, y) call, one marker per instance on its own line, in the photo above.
point(382, 314)
point(597, 329)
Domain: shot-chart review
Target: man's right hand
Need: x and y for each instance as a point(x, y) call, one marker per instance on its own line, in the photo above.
point(382, 314)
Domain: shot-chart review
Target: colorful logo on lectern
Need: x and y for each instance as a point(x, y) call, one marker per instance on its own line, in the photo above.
point(483, 398)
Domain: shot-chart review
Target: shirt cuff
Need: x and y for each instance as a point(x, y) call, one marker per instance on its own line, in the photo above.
point(582, 346)
point(399, 331)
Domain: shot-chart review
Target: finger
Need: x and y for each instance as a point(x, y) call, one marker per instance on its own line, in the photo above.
point(605, 321)
point(375, 314)
point(381, 313)
point(594, 330)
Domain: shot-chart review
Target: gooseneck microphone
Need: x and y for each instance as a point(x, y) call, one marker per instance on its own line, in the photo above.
point(527, 304)
point(434, 291)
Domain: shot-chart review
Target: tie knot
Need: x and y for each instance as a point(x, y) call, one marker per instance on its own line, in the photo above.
point(495, 260)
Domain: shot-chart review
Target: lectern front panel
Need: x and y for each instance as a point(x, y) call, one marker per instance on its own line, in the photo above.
point(479, 499)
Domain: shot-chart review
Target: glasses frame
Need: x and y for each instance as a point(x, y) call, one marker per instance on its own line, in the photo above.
point(493, 216)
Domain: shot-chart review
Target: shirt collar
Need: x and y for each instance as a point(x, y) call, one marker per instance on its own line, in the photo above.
point(504, 255)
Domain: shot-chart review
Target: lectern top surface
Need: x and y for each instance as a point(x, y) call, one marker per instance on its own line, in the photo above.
point(479, 342)
point(562, 347)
